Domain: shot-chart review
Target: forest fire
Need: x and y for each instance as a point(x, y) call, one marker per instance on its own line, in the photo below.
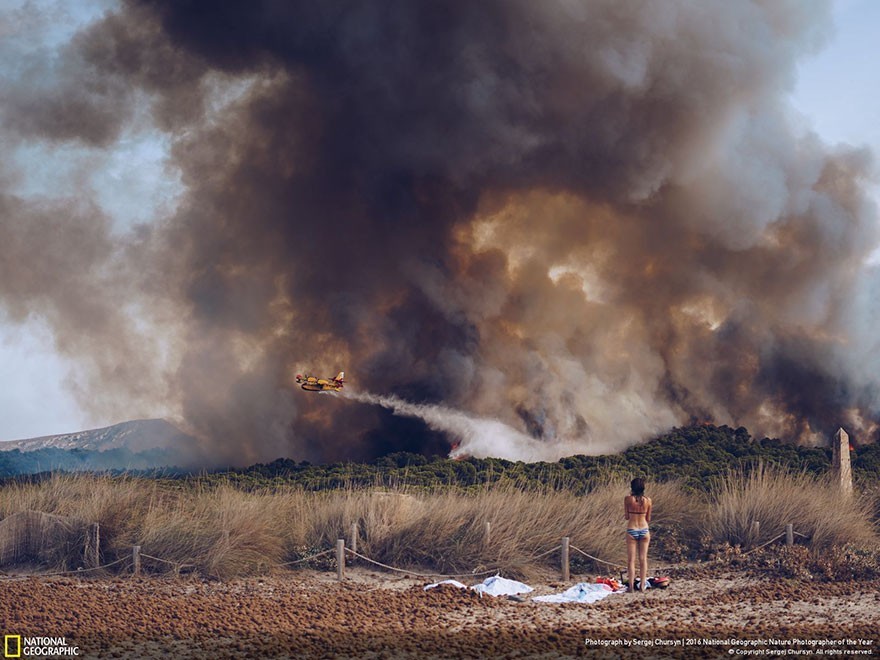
point(554, 217)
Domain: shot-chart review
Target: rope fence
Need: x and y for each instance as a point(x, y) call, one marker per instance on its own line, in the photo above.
point(544, 554)
point(178, 566)
point(601, 561)
point(304, 559)
point(341, 552)
point(74, 571)
point(619, 567)
point(424, 575)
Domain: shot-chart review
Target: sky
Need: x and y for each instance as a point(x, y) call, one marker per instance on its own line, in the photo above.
point(838, 88)
point(836, 91)
point(131, 183)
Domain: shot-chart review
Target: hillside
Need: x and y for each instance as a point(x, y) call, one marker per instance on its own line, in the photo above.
point(696, 455)
point(136, 445)
point(137, 436)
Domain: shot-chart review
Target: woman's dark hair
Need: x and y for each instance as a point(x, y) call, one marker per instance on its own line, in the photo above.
point(637, 486)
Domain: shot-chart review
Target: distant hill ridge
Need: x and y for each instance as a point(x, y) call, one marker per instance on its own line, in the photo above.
point(695, 455)
point(136, 436)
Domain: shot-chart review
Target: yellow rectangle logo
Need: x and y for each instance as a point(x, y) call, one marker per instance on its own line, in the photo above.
point(12, 646)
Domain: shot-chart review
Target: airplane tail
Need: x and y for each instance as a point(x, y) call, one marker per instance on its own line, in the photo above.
point(340, 377)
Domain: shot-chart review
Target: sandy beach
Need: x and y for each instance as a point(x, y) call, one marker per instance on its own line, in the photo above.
point(309, 614)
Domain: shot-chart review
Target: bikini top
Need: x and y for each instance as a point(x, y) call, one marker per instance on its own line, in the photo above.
point(628, 512)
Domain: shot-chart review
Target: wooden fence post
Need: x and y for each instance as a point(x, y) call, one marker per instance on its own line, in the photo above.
point(789, 534)
point(340, 559)
point(566, 575)
point(136, 560)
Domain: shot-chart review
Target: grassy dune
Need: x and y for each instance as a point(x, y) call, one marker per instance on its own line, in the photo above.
point(222, 531)
point(775, 498)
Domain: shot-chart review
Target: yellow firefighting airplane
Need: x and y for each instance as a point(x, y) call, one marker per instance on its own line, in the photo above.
point(313, 384)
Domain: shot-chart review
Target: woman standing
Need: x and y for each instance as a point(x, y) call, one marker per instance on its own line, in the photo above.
point(637, 510)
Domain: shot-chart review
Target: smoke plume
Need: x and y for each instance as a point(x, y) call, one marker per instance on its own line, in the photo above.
point(542, 228)
point(474, 435)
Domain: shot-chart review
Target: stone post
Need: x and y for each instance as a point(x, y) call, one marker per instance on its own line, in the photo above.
point(841, 469)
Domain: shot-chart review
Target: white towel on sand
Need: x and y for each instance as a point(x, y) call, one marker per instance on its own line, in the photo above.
point(499, 586)
point(582, 592)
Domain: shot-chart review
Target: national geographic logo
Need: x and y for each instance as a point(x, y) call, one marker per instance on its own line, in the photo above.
point(16, 646)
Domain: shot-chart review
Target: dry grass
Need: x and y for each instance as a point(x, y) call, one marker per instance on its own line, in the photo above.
point(26, 535)
point(224, 532)
point(775, 497)
point(221, 534)
point(448, 529)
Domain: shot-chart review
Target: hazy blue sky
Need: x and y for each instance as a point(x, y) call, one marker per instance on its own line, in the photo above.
point(838, 92)
point(840, 88)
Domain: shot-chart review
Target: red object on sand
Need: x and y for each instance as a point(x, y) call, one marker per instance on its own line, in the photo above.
point(611, 582)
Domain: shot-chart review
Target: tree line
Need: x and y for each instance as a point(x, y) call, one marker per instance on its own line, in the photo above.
point(694, 455)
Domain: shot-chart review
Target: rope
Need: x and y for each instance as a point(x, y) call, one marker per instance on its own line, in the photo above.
point(425, 575)
point(618, 566)
point(601, 561)
point(305, 559)
point(177, 566)
point(71, 572)
point(775, 538)
point(544, 554)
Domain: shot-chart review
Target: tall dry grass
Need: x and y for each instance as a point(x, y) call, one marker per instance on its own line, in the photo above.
point(448, 529)
point(223, 532)
point(219, 532)
point(776, 497)
point(115, 504)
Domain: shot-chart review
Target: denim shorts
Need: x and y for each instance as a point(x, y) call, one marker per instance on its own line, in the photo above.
point(638, 534)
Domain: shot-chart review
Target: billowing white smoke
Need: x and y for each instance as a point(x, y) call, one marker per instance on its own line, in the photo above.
point(475, 436)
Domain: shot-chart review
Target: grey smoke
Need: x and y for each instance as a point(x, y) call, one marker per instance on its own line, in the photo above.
point(586, 222)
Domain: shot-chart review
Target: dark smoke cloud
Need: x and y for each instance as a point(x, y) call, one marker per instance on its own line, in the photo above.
point(588, 220)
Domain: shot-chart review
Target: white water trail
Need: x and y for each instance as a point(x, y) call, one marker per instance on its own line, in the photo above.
point(478, 437)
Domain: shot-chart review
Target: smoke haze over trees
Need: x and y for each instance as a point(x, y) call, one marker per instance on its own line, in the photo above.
point(589, 221)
